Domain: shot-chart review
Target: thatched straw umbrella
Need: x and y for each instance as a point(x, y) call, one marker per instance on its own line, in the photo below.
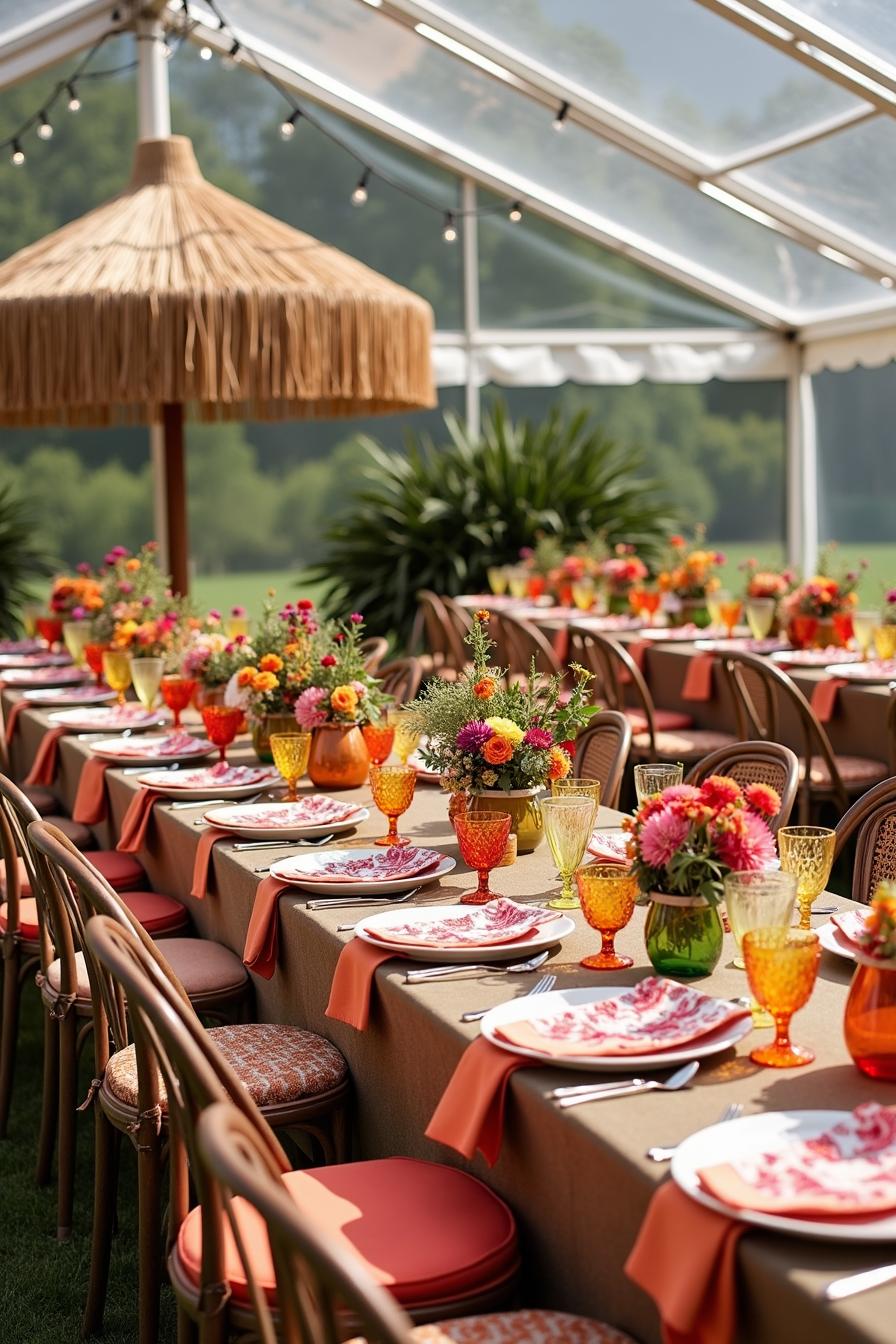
point(176, 299)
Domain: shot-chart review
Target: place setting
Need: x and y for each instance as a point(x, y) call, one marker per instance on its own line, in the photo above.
point(107, 718)
point(149, 748)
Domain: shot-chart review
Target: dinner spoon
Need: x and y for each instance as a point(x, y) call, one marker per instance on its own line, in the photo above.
point(442, 972)
point(564, 1097)
point(859, 1283)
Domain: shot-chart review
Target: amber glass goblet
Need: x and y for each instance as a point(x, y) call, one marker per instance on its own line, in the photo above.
point(290, 752)
point(177, 692)
point(607, 895)
point(568, 823)
point(117, 671)
point(222, 723)
point(884, 637)
point(781, 967)
point(808, 852)
point(482, 837)
point(76, 635)
point(379, 738)
point(731, 610)
point(392, 787)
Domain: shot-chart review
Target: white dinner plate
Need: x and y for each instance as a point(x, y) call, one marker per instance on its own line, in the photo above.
point(832, 940)
point(300, 869)
point(745, 644)
point(109, 749)
point(528, 1010)
point(86, 695)
point(547, 935)
point(814, 658)
point(44, 676)
point(767, 1133)
point(424, 774)
point(176, 784)
point(876, 672)
point(671, 634)
point(45, 659)
point(82, 720)
point(220, 817)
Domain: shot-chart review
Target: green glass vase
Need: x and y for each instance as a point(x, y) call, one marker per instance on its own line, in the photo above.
point(682, 940)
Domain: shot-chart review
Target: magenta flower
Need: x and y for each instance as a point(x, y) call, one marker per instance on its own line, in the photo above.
point(473, 736)
point(83, 568)
point(238, 611)
point(356, 618)
point(78, 613)
point(661, 836)
point(214, 615)
point(307, 711)
point(125, 587)
point(539, 738)
point(749, 850)
point(146, 601)
point(328, 660)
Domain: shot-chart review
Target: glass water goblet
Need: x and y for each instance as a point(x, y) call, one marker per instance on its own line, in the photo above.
point(379, 738)
point(392, 787)
point(290, 752)
point(146, 674)
point(236, 625)
point(482, 837)
point(884, 637)
point(117, 671)
point(93, 656)
point(651, 779)
point(577, 786)
point(518, 581)
point(30, 613)
point(77, 636)
point(568, 823)
point(407, 736)
point(863, 623)
point(607, 894)
point(177, 692)
point(713, 603)
point(497, 579)
point(222, 723)
point(781, 967)
point(760, 612)
point(808, 853)
point(757, 900)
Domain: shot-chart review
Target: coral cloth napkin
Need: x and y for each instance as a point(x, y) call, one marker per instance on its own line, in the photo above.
point(698, 1306)
point(637, 650)
point(470, 1114)
point(207, 841)
point(90, 800)
point(263, 933)
point(698, 677)
point(43, 769)
point(136, 820)
point(12, 717)
point(824, 697)
point(353, 982)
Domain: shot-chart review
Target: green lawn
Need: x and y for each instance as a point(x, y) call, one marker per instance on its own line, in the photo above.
point(249, 590)
point(879, 576)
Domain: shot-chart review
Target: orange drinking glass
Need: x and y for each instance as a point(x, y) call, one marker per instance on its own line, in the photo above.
point(482, 837)
point(536, 586)
point(379, 738)
point(843, 628)
point(222, 723)
point(781, 967)
point(392, 787)
point(607, 895)
point(177, 692)
point(731, 612)
point(636, 600)
point(650, 603)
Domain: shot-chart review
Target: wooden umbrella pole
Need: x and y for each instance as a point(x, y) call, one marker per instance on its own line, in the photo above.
point(176, 495)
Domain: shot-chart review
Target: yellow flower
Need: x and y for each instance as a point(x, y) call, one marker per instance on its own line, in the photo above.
point(506, 728)
point(344, 700)
point(271, 662)
point(264, 681)
point(125, 631)
point(560, 765)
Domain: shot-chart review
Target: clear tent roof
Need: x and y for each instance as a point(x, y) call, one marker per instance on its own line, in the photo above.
point(739, 148)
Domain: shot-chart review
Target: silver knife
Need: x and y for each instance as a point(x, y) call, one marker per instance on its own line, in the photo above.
point(859, 1283)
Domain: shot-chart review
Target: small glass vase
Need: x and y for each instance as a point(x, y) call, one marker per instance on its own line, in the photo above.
point(263, 728)
point(683, 935)
point(525, 814)
point(869, 1022)
point(339, 758)
point(694, 611)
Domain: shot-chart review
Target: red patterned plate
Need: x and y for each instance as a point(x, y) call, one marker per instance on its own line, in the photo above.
point(45, 676)
point(501, 921)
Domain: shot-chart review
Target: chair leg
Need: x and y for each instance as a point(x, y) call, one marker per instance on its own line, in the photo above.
point(68, 1101)
point(9, 1028)
point(49, 1105)
point(149, 1178)
point(186, 1326)
point(106, 1144)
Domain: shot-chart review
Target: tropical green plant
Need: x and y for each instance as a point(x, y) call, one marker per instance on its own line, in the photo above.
point(438, 516)
point(22, 558)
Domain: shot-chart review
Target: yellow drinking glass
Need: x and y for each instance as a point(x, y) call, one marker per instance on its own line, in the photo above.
point(30, 613)
point(407, 736)
point(760, 613)
point(863, 624)
point(712, 606)
point(781, 967)
point(497, 579)
point(884, 637)
point(77, 636)
point(583, 593)
point(607, 892)
point(577, 786)
point(146, 674)
point(651, 779)
point(236, 625)
point(730, 612)
point(757, 900)
point(518, 581)
point(290, 752)
point(117, 671)
point(392, 787)
point(808, 853)
point(568, 823)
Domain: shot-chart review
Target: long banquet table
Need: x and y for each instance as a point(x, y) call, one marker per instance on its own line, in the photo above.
point(578, 1180)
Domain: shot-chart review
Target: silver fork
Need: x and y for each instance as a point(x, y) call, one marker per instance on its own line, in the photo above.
point(660, 1154)
point(442, 972)
point(276, 844)
point(542, 986)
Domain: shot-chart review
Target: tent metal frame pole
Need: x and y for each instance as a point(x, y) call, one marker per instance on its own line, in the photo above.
point(470, 265)
point(802, 468)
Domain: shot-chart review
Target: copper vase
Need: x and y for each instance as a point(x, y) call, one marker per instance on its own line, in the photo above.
point(339, 757)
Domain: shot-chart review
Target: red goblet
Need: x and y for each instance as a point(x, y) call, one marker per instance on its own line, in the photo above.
point(50, 629)
point(803, 630)
point(843, 627)
point(222, 723)
point(482, 837)
point(93, 656)
point(177, 692)
point(536, 586)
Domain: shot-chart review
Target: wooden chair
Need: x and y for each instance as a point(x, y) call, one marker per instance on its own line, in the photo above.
point(872, 820)
point(522, 643)
point(298, 1079)
point(401, 679)
point(434, 631)
point(755, 763)
point(760, 690)
point(373, 651)
point(602, 751)
point(615, 669)
point(20, 940)
point(318, 1283)
point(397, 1203)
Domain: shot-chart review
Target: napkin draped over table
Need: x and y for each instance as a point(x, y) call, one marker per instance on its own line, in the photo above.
point(43, 768)
point(263, 933)
point(697, 683)
point(825, 695)
point(13, 716)
point(470, 1114)
point(207, 841)
point(136, 820)
point(90, 800)
point(353, 982)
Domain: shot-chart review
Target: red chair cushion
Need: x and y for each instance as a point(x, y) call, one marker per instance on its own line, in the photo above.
point(427, 1232)
point(664, 720)
point(44, 801)
point(157, 913)
point(122, 871)
point(80, 835)
point(27, 919)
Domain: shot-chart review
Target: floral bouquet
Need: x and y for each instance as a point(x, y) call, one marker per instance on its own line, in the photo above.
point(825, 595)
point(689, 573)
point(480, 735)
point(338, 689)
point(878, 938)
point(277, 664)
point(767, 582)
point(888, 614)
point(620, 573)
point(209, 657)
point(139, 611)
point(76, 597)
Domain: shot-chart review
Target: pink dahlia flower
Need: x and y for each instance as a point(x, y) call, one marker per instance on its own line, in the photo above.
point(661, 835)
point(308, 713)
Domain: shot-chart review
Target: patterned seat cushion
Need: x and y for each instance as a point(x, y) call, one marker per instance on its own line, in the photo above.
point(27, 918)
point(277, 1064)
point(690, 744)
point(202, 967)
point(427, 1232)
point(520, 1327)
point(857, 772)
point(664, 720)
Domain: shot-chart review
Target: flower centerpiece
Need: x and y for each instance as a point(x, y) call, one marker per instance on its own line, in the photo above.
point(339, 696)
point(74, 600)
point(819, 610)
point(689, 575)
point(871, 1005)
point(620, 573)
point(211, 659)
point(888, 612)
point(682, 844)
point(540, 562)
point(501, 744)
point(766, 583)
point(134, 592)
point(274, 668)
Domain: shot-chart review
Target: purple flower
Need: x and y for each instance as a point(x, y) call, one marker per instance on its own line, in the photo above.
point(78, 613)
point(356, 618)
point(119, 552)
point(891, 595)
point(473, 736)
point(539, 738)
point(146, 601)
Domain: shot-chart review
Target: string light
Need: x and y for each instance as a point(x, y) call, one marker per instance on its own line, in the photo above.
point(74, 102)
point(18, 154)
point(359, 195)
point(44, 130)
point(515, 213)
point(449, 232)
point(205, 53)
point(560, 118)
point(288, 125)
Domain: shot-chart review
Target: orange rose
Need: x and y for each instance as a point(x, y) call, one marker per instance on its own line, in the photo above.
point(246, 676)
point(132, 565)
point(271, 662)
point(344, 700)
point(560, 765)
point(482, 615)
point(497, 750)
point(264, 681)
point(485, 688)
point(290, 649)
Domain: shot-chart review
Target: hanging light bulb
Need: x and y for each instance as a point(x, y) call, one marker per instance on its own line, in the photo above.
point(288, 125)
point(74, 102)
point(449, 232)
point(229, 61)
point(205, 53)
point(359, 195)
point(18, 154)
point(560, 119)
point(515, 213)
point(44, 130)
